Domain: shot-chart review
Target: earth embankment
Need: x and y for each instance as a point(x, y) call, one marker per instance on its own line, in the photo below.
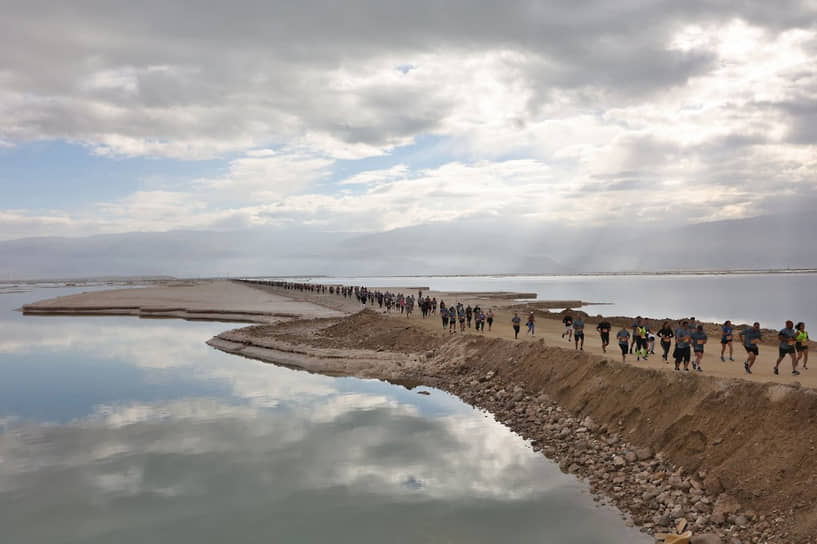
point(734, 457)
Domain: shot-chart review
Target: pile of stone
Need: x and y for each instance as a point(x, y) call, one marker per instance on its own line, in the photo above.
point(652, 493)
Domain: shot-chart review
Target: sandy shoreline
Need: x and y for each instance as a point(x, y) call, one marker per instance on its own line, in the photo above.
point(658, 444)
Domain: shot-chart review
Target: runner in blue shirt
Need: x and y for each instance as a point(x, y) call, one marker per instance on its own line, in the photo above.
point(623, 342)
point(787, 337)
point(698, 337)
point(682, 339)
point(751, 337)
point(726, 340)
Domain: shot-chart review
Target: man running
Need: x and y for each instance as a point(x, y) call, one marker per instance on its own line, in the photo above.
point(604, 329)
point(531, 324)
point(634, 340)
point(698, 337)
point(682, 339)
point(578, 332)
point(751, 337)
point(802, 344)
point(726, 340)
point(568, 322)
point(623, 342)
point(787, 339)
point(516, 321)
point(640, 333)
point(489, 317)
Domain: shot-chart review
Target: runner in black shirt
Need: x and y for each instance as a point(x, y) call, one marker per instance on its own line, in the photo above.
point(604, 329)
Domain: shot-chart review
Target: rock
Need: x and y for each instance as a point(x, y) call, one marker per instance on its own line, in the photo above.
point(631, 457)
point(643, 453)
point(742, 521)
point(713, 485)
point(573, 469)
point(619, 461)
point(725, 505)
point(705, 538)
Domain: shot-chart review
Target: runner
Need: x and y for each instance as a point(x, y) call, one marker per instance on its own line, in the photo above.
point(578, 332)
point(461, 315)
point(787, 340)
point(751, 337)
point(531, 325)
point(444, 316)
point(682, 346)
point(802, 344)
point(516, 321)
point(452, 319)
point(568, 322)
point(636, 324)
point(604, 329)
point(651, 341)
point(468, 313)
point(489, 317)
point(726, 340)
point(640, 333)
point(623, 342)
point(699, 339)
point(666, 335)
point(481, 322)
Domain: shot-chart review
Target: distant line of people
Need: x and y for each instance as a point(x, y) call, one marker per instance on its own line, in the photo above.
point(689, 336)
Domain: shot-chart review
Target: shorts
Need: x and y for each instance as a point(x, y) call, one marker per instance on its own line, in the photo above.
point(490, 320)
point(578, 335)
point(751, 349)
point(605, 337)
point(802, 347)
point(624, 348)
point(682, 354)
point(786, 351)
point(725, 340)
point(640, 342)
point(666, 341)
point(699, 350)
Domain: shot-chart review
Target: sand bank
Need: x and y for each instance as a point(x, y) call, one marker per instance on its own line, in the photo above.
point(214, 300)
point(733, 457)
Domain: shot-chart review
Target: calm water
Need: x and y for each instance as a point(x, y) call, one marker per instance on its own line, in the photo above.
point(745, 298)
point(126, 430)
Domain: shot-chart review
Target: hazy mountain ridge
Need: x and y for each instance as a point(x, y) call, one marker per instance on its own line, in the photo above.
point(465, 247)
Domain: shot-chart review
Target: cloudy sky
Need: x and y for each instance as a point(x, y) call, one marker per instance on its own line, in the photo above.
point(368, 116)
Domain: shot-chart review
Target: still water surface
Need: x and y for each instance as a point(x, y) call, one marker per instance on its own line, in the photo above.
point(743, 298)
point(115, 429)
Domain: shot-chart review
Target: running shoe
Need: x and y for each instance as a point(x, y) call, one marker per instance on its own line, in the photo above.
point(722, 359)
point(775, 371)
point(746, 368)
point(732, 359)
point(699, 369)
point(795, 373)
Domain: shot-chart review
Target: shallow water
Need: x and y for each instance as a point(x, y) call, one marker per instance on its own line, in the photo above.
point(743, 298)
point(115, 429)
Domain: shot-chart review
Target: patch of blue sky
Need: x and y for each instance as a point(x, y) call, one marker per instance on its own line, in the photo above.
point(426, 152)
point(58, 174)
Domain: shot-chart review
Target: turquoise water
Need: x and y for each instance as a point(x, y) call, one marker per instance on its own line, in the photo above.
point(116, 429)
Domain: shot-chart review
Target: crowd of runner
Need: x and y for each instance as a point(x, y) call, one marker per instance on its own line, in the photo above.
point(689, 340)
point(688, 336)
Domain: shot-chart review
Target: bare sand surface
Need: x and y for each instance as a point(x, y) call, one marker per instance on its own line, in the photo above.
point(215, 300)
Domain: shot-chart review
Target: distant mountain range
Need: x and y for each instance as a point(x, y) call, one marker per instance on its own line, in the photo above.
point(465, 247)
